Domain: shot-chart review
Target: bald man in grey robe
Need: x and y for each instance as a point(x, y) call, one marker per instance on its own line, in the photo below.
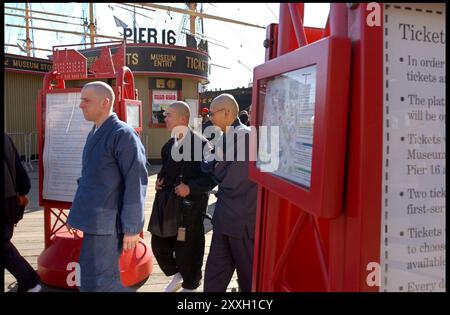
point(235, 212)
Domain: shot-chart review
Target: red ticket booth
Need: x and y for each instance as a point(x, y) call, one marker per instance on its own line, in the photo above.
point(337, 211)
point(62, 134)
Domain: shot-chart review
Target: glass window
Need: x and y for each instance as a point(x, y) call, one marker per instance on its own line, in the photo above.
point(160, 100)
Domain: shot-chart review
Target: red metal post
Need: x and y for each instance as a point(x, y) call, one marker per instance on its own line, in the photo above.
point(297, 11)
point(365, 147)
point(286, 36)
point(326, 31)
point(47, 223)
point(338, 19)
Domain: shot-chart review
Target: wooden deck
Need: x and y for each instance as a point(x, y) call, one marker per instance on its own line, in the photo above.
point(29, 239)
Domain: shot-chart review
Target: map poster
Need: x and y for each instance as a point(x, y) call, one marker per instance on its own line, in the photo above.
point(288, 102)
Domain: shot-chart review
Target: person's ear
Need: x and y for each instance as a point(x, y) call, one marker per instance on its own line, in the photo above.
point(105, 102)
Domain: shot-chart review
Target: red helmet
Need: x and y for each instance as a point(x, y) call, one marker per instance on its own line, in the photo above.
point(205, 110)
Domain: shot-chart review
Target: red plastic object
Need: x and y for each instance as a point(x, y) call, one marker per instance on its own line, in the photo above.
point(65, 248)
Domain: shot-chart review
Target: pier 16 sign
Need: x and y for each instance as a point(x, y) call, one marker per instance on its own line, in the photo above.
point(147, 58)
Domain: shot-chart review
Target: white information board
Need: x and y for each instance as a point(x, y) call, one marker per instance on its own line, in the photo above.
point(413, 199)
point(133, 115)
point(289, 102)
point(66, 131)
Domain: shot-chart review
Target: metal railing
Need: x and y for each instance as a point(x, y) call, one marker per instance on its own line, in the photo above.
point(27, 146)
point(33, 148)
point(144, 140)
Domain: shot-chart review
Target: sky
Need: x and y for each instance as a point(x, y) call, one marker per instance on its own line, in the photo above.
point(234, 49)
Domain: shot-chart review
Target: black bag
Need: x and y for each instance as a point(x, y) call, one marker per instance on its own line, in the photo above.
point(18, 214)
point(166, 214)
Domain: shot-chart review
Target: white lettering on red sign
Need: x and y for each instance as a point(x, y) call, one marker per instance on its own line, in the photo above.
point(164, 97)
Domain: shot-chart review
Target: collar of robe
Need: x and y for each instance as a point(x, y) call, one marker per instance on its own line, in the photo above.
point(105, 127)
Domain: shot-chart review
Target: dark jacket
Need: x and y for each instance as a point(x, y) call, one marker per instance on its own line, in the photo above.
point(205, 125)
point(199, 183)
point(16, 179)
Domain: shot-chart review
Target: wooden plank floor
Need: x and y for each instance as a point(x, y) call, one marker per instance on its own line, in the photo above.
point(29, 238)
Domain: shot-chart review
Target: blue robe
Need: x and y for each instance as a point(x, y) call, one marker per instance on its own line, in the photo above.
point(109, 200)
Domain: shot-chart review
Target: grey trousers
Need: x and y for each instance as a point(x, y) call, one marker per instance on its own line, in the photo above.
point(226, 255)
point(99, 263)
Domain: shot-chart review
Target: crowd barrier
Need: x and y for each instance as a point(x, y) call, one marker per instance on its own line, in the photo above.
point(27, 147)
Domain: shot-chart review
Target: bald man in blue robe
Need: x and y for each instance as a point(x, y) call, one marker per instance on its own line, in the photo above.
point(109, 203)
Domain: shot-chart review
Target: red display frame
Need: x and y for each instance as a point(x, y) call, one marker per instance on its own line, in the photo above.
point(332, 59)
point(125, 113)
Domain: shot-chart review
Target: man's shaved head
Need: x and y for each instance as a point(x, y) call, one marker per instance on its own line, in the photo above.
point(226, 101)
point(102, 90)
point(224, 111)
point(182, 109)
point(97, 101)
point(177, 114)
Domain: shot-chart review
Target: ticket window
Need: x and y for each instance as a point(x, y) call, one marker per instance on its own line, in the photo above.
point(162, 93)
